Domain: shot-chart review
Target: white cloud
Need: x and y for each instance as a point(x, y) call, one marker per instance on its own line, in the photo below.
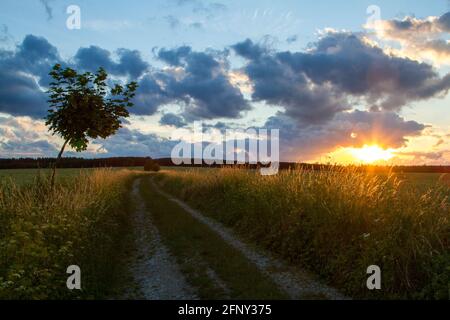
point(419, 39)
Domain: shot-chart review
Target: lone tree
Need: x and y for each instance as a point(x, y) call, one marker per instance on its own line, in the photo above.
point(83, 106)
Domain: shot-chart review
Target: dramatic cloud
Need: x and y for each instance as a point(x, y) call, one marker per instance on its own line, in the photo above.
point(150, 95)
point(317, 90)
point(197, 80)
point(338, 71)
point(419, 38)
point(420, 156)
point(22, 149)
point(348, 129)
point(171, 119)
point(24, 137)
point(130, 62)
point(23, 73)
point(133, 142)
point(200, 80)
point(21, 95)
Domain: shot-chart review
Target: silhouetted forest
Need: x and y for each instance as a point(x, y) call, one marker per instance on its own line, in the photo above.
point(29, 163)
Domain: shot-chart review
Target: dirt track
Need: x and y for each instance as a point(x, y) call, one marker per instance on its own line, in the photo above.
point(157, 276)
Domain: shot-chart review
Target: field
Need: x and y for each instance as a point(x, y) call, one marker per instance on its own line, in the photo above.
point(43, 230)
point(336, 223)
point(26, 176)
point(332, 224)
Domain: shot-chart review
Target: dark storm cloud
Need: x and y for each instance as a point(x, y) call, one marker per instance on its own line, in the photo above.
point(22, 72)
point(174, 56)
point(26, 148)
point(315, 85)
point(348, 129)
point(150, 95)
point(35, 55)
point(20, 95)
point(171, 119)
point(203, 86)
point(200, 84)
point(249, 50)
point(130, 62)
point(385, 129)
point(444, 22)
point(312, 87)
point(93, 57)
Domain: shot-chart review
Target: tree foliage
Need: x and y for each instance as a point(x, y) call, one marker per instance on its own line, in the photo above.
point(83, 106)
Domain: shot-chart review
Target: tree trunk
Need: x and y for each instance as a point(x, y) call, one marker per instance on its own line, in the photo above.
point(57, 161)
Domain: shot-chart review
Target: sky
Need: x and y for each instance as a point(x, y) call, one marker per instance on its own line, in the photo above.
point(343, 81)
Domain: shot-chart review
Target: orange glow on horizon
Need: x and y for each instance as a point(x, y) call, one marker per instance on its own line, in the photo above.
point(368, 154)
point(371, 154)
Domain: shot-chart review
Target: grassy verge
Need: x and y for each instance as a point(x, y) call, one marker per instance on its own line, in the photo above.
point(42, 232)
point(334, 222)
point(212, 266)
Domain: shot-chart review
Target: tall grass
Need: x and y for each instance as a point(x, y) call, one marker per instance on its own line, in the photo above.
point(335, 222)
point(43, 231)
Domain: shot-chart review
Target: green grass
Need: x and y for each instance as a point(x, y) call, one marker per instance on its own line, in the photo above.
point(26, 176)
point(336, 223)
point(43, 231)
point(333, 223)
point(424, 181)
point(201, 252)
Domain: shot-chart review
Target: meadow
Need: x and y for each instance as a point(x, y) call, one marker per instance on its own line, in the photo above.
point(336, 223)
point(43, 230)
point(27, 176)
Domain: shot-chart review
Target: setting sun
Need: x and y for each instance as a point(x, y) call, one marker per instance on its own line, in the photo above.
point(370, 154)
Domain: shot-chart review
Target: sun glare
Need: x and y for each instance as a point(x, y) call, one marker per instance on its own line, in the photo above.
point(371, 154)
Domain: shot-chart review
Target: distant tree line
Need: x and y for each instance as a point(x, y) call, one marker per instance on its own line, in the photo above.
point(30, 163)
point(372, 168)
point(73, 162)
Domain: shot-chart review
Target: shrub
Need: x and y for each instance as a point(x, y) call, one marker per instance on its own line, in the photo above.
point(151, 165)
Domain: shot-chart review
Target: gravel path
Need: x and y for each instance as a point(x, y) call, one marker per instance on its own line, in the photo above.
point(297, 284)
point(154, 269)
